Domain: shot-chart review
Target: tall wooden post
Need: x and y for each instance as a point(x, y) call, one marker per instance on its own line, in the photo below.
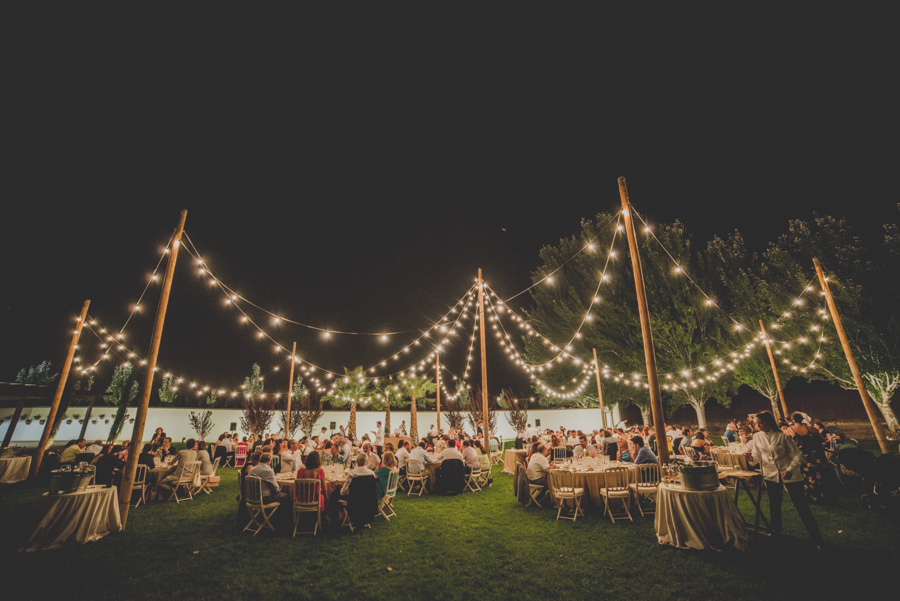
point(649, 350)
point(137, 434)
point(437, 379)
point(17, 413)
point(87, 416)
point(600, 391)
point(484, 388)
point(871, 410)
point(774, 369)
point(287, 416)
point(60, 386)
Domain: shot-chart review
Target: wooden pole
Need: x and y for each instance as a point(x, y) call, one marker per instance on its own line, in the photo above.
point(871, 411)
point(437, 379)
point(484, 388)
point(12, 424)
point(137, 434)
point(599, 390)
point(60, 386)
point(87, 416)
point(287, 416)
point(649, 350)
point(774, 369)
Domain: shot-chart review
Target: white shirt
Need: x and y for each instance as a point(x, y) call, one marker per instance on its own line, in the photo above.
point(538, 466)
point(529, 432)
point(776, 452)
point(402, 457)
point(450, 453)
point(287, 461)
point(379, 437)
point(226, 442)
point(422, 455)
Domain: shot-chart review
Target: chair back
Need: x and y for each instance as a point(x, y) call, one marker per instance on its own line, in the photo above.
point(476, 471)
point(648, 474)
point(140, 475)
point(253, 488)
point(414, 467)
point(307, 491)
point(216, 465)
point(188, 471)
point(561, 481)
point(392, 484)
point(617, 478)
point(692, 453)
point(559, 454)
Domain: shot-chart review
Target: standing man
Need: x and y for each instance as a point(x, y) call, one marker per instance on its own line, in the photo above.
point(403, 428)
point(379, 438)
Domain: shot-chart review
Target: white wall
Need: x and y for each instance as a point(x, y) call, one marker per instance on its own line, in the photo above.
point(175, 422)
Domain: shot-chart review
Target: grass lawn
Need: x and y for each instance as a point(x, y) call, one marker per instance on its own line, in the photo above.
point(475, 545)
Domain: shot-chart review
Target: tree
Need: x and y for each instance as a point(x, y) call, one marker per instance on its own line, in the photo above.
point(310, 413)
point(37, 374)
point(517, 417)
point(387, 392)
point(299, 394)
point(257, 411)
point(866, 292)
point(122, 390)
point(165, 392)
point(475, 412)
point(413, 388)
point(352, 388)
point(452, 408)
point(201, 423)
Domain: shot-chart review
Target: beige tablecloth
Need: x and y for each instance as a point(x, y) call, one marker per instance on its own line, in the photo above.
point(690, 519)
point(510, 457)
point(395, 440)
point(77, 517)
point(14, 469)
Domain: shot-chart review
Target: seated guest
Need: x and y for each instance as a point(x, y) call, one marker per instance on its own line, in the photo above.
point(313, 469)
point(158, 438)
point(643, 454)
point(402, 456)
point(95, 447)
point(449, 452)
point(343, 493)
point(71, 451)
point(107, 465)
point(187, 454)
point(622, 452)
point(388, 465)
point(206, 467)
point(372, 458)
point(470, 456)
point(270, 490)
point(701, 445)
point(538, 466)
point(147, 455)
point(167, 449)
point(419, 453)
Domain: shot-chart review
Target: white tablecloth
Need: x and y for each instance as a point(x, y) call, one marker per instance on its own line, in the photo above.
point(690, 519)
point(77, 517)
point(14, 469)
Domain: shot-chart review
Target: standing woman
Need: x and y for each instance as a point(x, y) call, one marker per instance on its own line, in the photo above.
point(779, 459)
point(815, 467)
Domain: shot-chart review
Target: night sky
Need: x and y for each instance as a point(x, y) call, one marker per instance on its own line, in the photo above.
point(357, 179)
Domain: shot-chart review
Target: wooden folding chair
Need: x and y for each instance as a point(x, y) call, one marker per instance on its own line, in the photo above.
point(646, 487)
point(416, 476)
point(185, 482)
point(307, 499)
point(386, 504)
point(140, 484)
point(616, 489)
point(209, 481)
point(260, 513)
point(562, 489)
point(473, 478)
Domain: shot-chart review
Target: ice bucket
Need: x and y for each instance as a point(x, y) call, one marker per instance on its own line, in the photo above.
point(64, 481)
point(700, 475)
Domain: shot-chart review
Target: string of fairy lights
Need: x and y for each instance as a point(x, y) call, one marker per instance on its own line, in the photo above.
point(444, 332)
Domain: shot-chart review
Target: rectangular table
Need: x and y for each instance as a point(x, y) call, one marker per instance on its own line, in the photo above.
point(691, 519)
point(77, 517)
point(14, 469)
